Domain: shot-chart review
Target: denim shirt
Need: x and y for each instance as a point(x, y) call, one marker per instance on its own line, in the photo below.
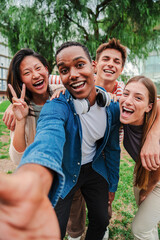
point(57, 146)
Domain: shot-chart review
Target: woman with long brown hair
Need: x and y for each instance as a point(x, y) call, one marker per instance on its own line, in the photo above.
point(138, 107)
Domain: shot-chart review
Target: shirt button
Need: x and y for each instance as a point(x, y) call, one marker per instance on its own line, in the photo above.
point(73, 180)
point(75, 176)
point(78, 163)
point(75, 114)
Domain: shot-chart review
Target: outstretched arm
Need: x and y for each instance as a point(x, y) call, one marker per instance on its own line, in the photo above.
point(150, 152)
point(25, 210)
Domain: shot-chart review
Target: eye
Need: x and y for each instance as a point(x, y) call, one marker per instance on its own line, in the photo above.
point(38, 68)
point(64, 71)
point(117, 62)
point(125, 94)
point(26, 73)
point(138, 98)
point(80, 64)
point(105, 59)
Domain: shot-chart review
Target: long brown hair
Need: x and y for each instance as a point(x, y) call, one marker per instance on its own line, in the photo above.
point(142, 175)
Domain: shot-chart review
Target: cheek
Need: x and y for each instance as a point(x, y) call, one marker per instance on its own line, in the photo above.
point(26, 81)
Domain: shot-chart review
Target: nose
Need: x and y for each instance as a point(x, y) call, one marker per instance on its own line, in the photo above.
point(110, 63)
point(74, 73)
point(35, 75)
point(128, 100)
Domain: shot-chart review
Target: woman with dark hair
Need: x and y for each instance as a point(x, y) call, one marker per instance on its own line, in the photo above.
point(28, 90)
point(138, 108)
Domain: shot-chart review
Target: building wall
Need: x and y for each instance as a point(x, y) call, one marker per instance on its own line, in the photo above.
point(151, 69)
point(5, 59)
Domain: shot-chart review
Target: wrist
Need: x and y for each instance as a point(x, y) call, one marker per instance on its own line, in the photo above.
point(21, 122)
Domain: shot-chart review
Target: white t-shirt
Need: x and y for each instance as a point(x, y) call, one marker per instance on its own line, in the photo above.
point(93, 128)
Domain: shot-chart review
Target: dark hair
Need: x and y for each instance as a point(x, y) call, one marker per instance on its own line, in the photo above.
point(142, 175)
point(112, 44)
point(71, 44)
point(14, 78)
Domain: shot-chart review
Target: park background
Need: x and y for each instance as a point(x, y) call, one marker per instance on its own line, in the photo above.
point(44, 24)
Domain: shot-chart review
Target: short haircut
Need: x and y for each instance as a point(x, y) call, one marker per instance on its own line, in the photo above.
point(112, 44)
point(71, 44)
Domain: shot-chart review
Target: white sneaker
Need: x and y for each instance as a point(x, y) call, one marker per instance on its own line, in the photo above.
point(77, 238)
point(106, 235)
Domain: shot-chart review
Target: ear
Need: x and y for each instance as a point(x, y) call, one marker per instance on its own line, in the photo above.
point(94, 65)
point(149, 107)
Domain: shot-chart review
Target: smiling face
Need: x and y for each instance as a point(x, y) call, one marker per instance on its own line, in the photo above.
point(35, 75)
point(134, 103)
point(76, 72)
point(109, 65)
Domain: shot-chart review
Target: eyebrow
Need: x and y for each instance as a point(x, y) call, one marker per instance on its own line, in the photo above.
point(137, 93)
point(114, 58)
point(75, 59)
point(29, 68)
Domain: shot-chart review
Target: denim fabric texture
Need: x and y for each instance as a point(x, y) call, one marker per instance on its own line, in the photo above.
point(57, 146)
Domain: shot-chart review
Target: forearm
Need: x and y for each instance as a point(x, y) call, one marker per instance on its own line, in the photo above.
point(43, 174)
point(19, 141)
point(150, 151)
point(155, 130)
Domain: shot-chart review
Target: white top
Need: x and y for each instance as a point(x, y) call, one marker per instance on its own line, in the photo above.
point(93, 128)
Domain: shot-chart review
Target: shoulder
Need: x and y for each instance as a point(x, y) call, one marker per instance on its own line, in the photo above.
point(57, 107)
point(114, 111)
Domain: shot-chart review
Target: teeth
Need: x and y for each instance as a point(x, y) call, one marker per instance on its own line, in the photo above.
point(128, 110)
point(108, 71)
point(39, 82)
point(77, 84)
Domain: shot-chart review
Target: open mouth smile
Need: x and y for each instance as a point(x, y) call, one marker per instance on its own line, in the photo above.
point(126, 112)
point(39, 84)
point(77, 85)
point(109, 71)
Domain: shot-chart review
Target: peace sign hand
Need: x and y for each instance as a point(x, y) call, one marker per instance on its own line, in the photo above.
point(19, 107)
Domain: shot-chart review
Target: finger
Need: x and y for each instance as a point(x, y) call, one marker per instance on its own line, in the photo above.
point(144, 164)
point(23, 93)
point(4, 118)
point(9, 120)
point(53, 96)
point(13, 124)
point(12, 90)
point(17, 100)
point(157, 159)
point(153, 162)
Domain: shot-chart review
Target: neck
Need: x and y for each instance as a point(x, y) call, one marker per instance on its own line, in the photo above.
point(92, 96)
point(107, 85)
point(40, 99)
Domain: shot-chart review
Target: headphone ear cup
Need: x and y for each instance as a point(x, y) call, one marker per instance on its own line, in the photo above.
point(81, 106)
point(103, 98)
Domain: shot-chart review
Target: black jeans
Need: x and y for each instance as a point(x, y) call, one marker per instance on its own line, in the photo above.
point(95, 191)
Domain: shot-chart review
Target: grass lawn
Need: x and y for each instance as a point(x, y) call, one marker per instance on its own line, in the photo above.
point(124, 206)
point(4, 105)
point(4, 133)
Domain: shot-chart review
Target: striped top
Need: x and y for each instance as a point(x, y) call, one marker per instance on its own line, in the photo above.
point(55, 79)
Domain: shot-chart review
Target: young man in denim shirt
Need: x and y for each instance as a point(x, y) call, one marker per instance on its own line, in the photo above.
point(66, 155)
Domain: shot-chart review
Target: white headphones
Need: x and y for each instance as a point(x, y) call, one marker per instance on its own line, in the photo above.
point(82, 106)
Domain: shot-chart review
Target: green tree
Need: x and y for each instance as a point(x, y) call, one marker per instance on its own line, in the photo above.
point(45, 24)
